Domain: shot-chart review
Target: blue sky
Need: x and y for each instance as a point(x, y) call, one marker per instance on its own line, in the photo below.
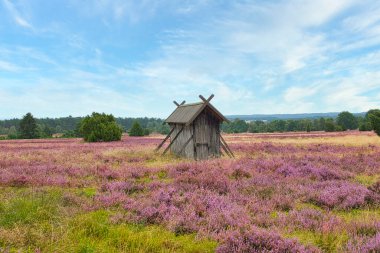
point(133, 58)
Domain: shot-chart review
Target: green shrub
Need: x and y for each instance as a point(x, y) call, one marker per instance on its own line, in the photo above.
point(329, 126)
point(374, 116)
point(146, 131)
point(365, 126)
point(28, 127)
point(100, 127)
point(136, 129)
point(347, 121)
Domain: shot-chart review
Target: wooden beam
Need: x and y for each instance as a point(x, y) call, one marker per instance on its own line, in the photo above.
point(208, 100)
point(175, 102)
point(172, 141)
point(183, 102)
point(162, 143)
point(205, 103)
point(213, 108)
point(225, 150)
point(184, 146)
point(225, 143)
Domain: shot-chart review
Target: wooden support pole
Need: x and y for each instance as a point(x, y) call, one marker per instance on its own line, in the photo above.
point(183, 102)
point(225, 150)
point(167, 137)
point(175, 102)
point(172, 141)
point(205, 103)
point(208, 100)
point(184, 146)
point(225, 143)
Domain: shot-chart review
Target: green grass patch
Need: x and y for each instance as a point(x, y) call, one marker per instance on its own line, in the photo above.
point(301, 205)
point(89, 192)
point(326, 241)
point(92, 232)
point(162, 174)
point(358, 215)
point(367, 180)
point(39, 219)
point(30, 208)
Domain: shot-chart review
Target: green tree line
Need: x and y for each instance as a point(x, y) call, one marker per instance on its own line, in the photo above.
point(344, 121)
point(98, 126)
point(69, 126)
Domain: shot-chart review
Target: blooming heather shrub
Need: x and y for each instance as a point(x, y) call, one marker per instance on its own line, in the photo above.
point(308, 170)
point(338, 194)
point(364, 244)
point(372, 245)
point(196, 176)
point(206, 212)
point(214, 198)
point(107, 173)
point(109, 199)
point(240, 173)
point(375, 188)
point(283, 203)
point(374, 194)
point(364, 229)
point(122, 186)
point(257, 240)
point(308, 219)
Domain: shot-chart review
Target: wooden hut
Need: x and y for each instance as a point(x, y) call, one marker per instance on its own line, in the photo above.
point(195, 131)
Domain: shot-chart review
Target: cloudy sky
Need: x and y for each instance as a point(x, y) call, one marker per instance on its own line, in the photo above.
point(133, 58)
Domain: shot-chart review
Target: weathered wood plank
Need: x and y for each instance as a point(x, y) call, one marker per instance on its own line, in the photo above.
point(172, 141)
point(167, 137)
point(184, 146)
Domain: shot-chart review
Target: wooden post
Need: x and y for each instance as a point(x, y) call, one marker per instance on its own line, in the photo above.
point(225, 150)
point(208, 100)
point(205, 103)
point(175, 137)
point(175, 102)
point(184, 146)
point(225, 143)
point(162, 143)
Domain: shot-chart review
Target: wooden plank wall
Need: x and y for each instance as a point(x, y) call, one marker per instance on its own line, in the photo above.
point(181, 140)
point(207, 131)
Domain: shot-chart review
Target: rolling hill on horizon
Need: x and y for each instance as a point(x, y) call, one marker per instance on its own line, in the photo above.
point(270, 117)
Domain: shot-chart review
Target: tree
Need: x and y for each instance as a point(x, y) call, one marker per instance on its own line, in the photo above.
point(100, 127)
point(374, 116)
point(322, 123)
point(44, 131)
point(28, 127)
point(308, 127)
point(136, 129)
point(329, 126)
point(146, 131)
point(347, 120)
point(12, 133)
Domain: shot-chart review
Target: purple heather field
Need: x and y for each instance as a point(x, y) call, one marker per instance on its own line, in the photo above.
point(291, 192)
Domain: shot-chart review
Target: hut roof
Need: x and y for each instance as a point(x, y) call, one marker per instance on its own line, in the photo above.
point(187, 113)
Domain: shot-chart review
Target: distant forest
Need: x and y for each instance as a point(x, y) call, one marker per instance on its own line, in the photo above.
point(341, 122)
point(68, 126)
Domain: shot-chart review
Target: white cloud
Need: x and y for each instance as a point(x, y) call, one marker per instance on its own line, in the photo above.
point(21, 21)
point(7, 66)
